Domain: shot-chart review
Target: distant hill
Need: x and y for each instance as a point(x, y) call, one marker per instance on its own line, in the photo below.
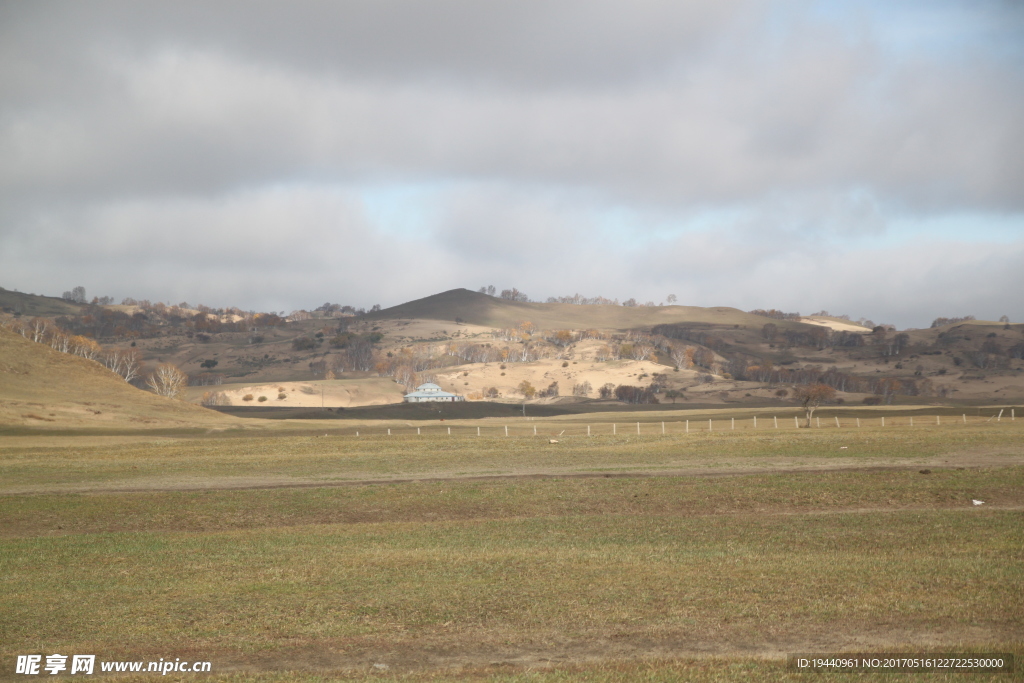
point(480, 309)
point(36, 305)
point(40, 387)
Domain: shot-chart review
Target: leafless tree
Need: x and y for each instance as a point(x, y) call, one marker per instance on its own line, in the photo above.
point(582, 389)
point(127, 364)
point(167, 380)
point(812, 396)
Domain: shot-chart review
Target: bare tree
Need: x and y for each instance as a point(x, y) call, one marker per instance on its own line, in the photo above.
point(672, 298)
point(167, 380)
point(812, 396)
point(126, 363)
point(582, 389)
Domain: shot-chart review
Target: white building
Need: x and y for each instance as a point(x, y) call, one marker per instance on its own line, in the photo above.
point(431, 392)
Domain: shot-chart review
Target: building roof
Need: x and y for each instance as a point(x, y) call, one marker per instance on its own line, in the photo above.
point(428, 390)
point(429, 386)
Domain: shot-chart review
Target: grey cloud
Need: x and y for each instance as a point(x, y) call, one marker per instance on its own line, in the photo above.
point(210, 144)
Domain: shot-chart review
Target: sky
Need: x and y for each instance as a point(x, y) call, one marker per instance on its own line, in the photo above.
point(864, 158)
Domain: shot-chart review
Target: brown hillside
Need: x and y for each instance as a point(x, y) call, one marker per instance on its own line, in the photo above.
point(480, 309)
point(33, 305)
point(40, 387)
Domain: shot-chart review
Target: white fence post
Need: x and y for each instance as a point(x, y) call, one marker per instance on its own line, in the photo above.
point(818, 423)
point(733, 423)
point(911, 420)
point(776, 417)
point(710, 428)
point(858, 423)
point(755, 422)
point(478, 431)
point(614, 429)
point(937, 420)
point(506, 430)
point(417, 431)
point(1000, 415)
point(965, 418)
point(883, 420)
point(837, 422)
point(449, 431)
point(588, 430)
point(637, 427)
point(687, 426)
point(535, 430)
point(389, 431)
point(662, 427)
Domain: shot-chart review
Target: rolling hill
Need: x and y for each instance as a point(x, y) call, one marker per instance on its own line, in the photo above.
point(463, 305)
point(36, 305)
point(40, 387)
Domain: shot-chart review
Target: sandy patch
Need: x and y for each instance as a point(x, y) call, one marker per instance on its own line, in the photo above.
point(834, 324)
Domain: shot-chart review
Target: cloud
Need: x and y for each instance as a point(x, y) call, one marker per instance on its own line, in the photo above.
point(557, 146)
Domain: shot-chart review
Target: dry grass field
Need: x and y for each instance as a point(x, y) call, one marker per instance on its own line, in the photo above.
point(305, 552)
point(655, 545)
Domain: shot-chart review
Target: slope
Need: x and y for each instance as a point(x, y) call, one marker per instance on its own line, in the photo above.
point(36, 305)
point(40, 387)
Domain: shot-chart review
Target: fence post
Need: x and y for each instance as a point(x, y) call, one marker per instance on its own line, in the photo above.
point(818, 422)
point(614, 429)
point(1000, 415)
point(837, 422)
point(588, 430)
point(776, 421)
point(449, 431)
point(937, 420)
point(710, 428)
point(389, 431)
point(506, 430)
point(535, 430)
point(883, 420)
point(357, 432)
point(478, 431)
point(687, 426)
point(755, 422)
point(637, 427)
point(733, 423)
point(796, 422)
point(911, 420)
point(662, 427)
point(965, 418)
point(417, 431)
point(858, 423)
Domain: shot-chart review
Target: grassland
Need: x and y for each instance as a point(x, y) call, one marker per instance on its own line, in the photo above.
point(285, 555)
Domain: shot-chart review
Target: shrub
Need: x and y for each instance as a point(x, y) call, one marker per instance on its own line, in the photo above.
point(247, 397)
point(281, 396)
point(565, 363)
point(526, 389)
point(631, 394)
point(262, 399)
point(304, 343)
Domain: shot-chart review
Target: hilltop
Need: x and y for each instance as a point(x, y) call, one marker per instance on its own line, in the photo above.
point(463, 305)
point(20, 303)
